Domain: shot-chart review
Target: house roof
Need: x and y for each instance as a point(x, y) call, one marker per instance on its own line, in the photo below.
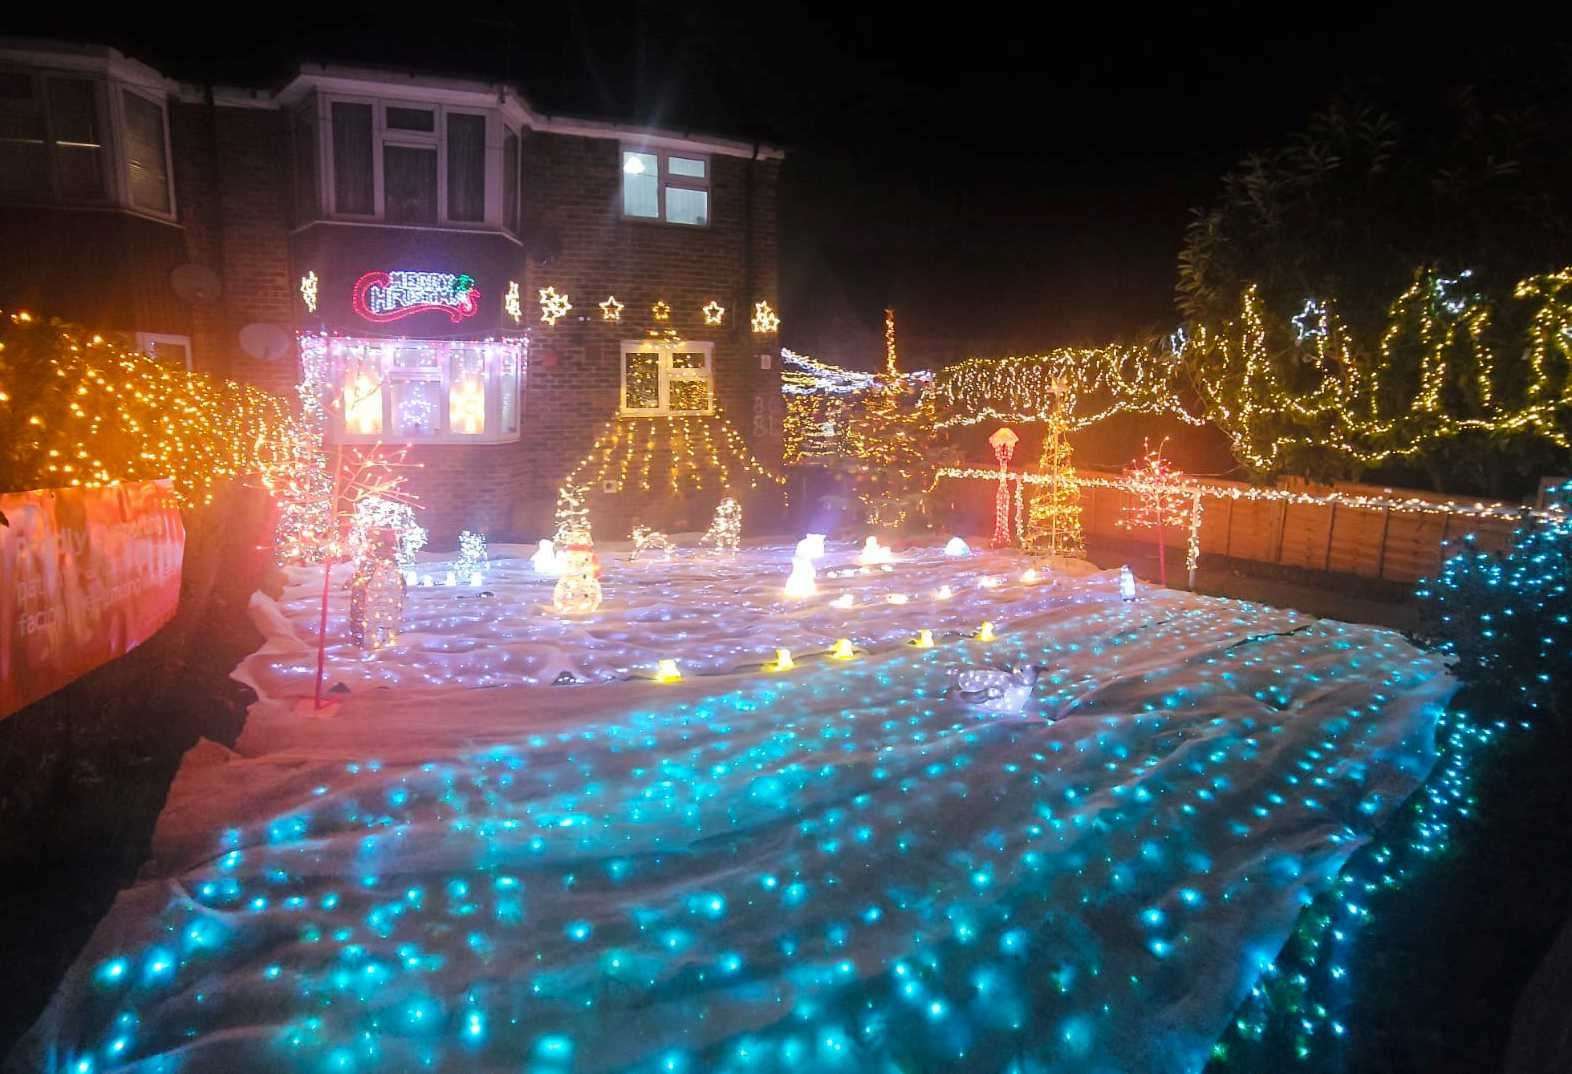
point(371, 81)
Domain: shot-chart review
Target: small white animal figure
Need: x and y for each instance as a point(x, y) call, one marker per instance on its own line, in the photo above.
point(545, 559)
point(1126, 584)
point(994, 690)
point(957, 547)
point(810, 547)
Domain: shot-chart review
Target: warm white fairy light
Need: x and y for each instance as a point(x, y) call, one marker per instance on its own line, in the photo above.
point(553, 306)
point(714, 312)
point(611, 309)
point(308, 290)
point(513, 303)
point(661, 311)
point(765, 321)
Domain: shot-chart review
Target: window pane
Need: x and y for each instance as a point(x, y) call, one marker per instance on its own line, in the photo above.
point(510, 181)
point(685, 166)
point(79, 150)
point(508, 393)
point(466, 167)
point(305, 134)
point(411, 119)
point(641, 185)
point(145, 163)
point(24, 168)
point(687, 206)
point(409, 185)
point(687, 360)
point(467, 394)
point(352, 190)
point(362, 402)
point(415, 408)
point(167, 350)
point(689, 394)
point(642, 385)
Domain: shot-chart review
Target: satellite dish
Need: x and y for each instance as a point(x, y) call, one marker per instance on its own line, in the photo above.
point(196, 284)
point(264, 342)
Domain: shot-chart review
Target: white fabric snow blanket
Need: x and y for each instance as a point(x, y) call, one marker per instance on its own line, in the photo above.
point(835, 867)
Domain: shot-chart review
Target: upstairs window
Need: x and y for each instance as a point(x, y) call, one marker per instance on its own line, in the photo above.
point(419, 164)
point(662, 379)
point(658, 185)
point(52, 143)
point(68, 139)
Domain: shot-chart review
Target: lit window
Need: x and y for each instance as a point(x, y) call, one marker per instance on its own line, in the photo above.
point(666, 186)
point(424, 390)
point(667, 378)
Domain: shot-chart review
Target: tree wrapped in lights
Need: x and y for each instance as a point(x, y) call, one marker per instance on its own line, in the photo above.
point(725, 531)
point(1160, 499)
point(472, 555)
point(1053, 522)
point(889, 438)
point(1504, 620)
point(572, 517)
point(376, 592)
point(78, 410)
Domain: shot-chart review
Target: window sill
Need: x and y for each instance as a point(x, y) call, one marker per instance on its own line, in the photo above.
point(430, 441)
point(366, 221)
point(100, 207)
point(666, 223)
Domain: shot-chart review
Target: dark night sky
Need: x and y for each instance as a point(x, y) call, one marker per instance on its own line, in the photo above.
point(1013, 181)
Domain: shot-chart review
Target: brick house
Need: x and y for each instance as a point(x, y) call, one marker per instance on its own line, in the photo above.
point(397, 233)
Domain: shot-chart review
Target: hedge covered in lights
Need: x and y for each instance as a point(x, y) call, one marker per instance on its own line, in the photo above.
point(79, 410)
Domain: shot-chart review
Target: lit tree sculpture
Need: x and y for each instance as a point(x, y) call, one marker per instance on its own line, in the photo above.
point(725, 531)
point(1053, 525)
point(1161, 499)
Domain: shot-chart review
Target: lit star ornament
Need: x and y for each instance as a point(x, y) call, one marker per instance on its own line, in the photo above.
point(714, 312)
point(512, 303)
point(611, 309)
point(765, 321)
point(553, 307)
point(661, 311)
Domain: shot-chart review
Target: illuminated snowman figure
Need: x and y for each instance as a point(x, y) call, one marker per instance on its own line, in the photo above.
point(577, 591)
point(376, 592)
point(545, 560)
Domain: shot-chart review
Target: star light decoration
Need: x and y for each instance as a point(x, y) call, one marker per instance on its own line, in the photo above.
point(1310, 322)
point(661, 311)
point(553, 307)
point(611, 309)
point(765, 322)
point(308, 290)
point(512, 303)
point(714, 312)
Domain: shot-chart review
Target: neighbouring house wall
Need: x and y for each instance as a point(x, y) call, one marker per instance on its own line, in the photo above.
point(573, 207)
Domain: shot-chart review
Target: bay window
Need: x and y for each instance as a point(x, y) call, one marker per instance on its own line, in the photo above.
point(669, 186)
point(412, 163)
point(74, 139)
point(413, 391)
point(661, 378)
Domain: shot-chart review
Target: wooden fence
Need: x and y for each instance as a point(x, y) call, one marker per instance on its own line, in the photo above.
point(1395, 544)
point(1397, 539)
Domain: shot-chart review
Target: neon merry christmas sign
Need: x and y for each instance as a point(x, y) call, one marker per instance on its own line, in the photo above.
point(390, 296)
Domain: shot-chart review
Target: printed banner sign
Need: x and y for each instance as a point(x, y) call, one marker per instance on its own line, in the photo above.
point(86, 575)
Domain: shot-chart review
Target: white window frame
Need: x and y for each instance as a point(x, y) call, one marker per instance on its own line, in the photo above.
point(114, 162)
point(146, 340)
point(665, 349)
point(123, 157)
point(436, 141)
point(665, 179)
point(493, 434)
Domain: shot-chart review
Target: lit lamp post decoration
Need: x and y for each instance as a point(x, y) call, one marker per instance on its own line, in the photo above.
point(1003, 443)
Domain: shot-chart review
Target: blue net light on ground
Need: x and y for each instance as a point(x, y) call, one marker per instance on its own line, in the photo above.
point(836, 866)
